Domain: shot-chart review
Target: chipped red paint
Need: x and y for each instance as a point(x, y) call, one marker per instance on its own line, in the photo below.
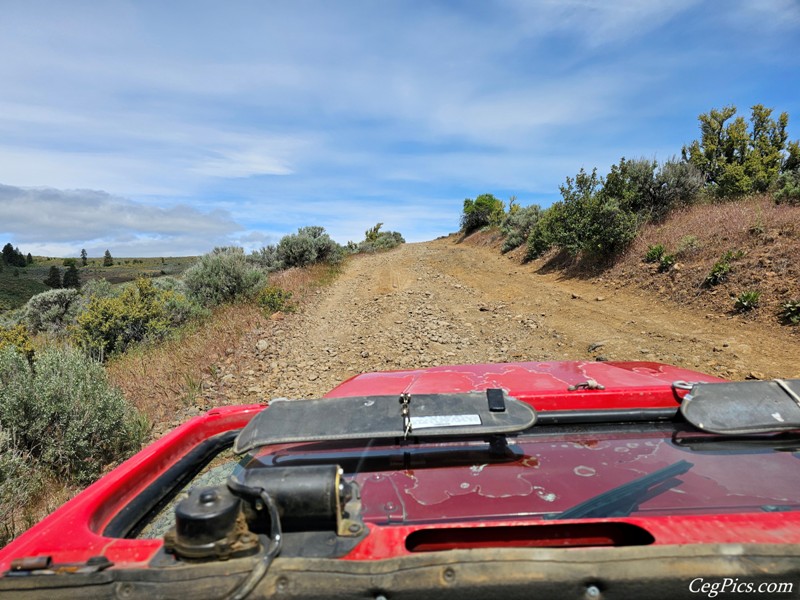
point(510, 495)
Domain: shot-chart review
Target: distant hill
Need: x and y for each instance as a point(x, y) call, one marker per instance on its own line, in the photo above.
point(19, 284)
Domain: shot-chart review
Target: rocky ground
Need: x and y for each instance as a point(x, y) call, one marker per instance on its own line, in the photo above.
point(440, 302)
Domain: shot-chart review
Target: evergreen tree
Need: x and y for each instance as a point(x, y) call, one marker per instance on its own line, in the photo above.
point(19, 258)
point(8, 254)
point(107, 260)
point(736, 159)
point(29, 259)
point(53, 277)
point(84, 257)
point(71, 277)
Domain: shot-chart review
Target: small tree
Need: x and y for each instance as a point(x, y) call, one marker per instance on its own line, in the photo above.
point(53, 277)
point(29, 259)
point(107, 260)
point(8, 254)
point(736, 159)
point(72, 278)
point(484, 210)
point(371, 234)
point(84, 257)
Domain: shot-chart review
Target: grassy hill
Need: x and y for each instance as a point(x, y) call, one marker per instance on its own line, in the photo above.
point(18, 284)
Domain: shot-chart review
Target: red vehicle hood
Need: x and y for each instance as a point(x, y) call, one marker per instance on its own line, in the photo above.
point(544, 385)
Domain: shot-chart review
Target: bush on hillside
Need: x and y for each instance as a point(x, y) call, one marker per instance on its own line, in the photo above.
point(266, 259)
point(20, 483)
point(384, 240)
point(484, 210)
point(542, 235)
point(221, 276)
point(17, 337)
point(588, 221)
point(787, 188)
point(275, 299)
point(52, 311)
point(517, 226)
point(308, 246)
point(677, 183)
point(141, 312)
point(65, 412)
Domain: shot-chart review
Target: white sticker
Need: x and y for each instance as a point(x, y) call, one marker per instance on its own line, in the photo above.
point(444, 421)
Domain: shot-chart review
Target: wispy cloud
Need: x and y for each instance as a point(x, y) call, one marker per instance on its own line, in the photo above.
point(205, 124)
point(47, 220)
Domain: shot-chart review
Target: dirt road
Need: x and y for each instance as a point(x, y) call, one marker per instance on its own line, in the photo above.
point(439, 302)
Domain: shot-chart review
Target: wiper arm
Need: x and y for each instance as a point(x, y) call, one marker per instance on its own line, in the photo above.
point(745, 444)
point(624, 499)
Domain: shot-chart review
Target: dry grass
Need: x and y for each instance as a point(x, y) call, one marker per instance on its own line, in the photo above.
point(159, 378)
point(303, 282)
point(163, 378)
point(767, 235)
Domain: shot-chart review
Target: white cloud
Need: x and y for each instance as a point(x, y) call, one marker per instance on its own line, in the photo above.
point(51, 221)
point(596, 22)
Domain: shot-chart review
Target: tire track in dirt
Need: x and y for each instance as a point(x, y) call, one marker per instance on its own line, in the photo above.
point(439, 302)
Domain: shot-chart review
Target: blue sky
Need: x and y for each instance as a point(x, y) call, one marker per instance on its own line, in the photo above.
point(166, 128)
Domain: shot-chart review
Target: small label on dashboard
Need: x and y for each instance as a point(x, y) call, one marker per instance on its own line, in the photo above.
point(444, 421)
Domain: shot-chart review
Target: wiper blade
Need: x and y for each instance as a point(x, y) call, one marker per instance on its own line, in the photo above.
point(743, 444)
point(624, 499)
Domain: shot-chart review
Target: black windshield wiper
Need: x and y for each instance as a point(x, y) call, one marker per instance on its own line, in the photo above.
point(624, 499)
point(743, 444)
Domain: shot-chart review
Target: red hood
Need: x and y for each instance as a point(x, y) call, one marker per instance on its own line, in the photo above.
point(542, 384)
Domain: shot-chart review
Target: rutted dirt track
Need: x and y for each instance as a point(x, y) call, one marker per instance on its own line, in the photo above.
point(439, 302)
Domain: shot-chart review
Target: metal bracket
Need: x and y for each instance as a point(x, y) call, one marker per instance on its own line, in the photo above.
point(589, 384)
point(405, 412)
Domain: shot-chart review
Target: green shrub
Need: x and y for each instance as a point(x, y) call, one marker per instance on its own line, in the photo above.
point(654, 253)
point(732, 255)
point(221, 276)
point(275, 299)
point(484, 210)
point(101, 288)
point(266, 259)
point(385, 240)
point(52, 311)
point(747, 301)
point(17, 337)
point(788, 187)
point(719, 273)
point(308, 246)
point(721, 269)
point(20, 484)
point(589, 221)
point(677, 183)
point(609, 229)
point(666, 262)
point(790, 312)
point(631, 184)
point(518, 224)
point(687, 246)
point(541, 237)
point(371, 234)
point(65, 412)
point(109, 325)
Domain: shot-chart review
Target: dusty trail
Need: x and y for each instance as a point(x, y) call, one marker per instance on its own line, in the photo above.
point(438, 302)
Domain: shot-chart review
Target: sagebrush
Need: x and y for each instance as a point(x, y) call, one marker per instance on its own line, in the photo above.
point(63, 411)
